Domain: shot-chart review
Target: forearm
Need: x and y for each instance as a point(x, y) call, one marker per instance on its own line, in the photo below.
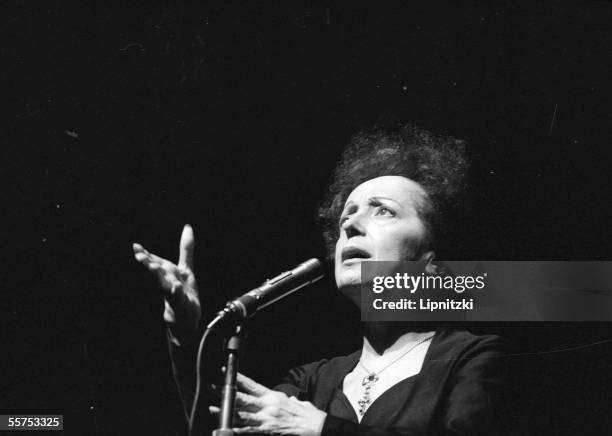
point(183, 359)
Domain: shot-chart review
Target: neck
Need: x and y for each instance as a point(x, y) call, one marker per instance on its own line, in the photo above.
point(381, 335)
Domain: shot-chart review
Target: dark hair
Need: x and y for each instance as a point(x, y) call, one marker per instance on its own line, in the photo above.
point(435, 162)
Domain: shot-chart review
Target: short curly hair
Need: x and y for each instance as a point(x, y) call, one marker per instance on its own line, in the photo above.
point(437, 163)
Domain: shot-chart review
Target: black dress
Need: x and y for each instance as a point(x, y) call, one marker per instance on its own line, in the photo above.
point(458, 391)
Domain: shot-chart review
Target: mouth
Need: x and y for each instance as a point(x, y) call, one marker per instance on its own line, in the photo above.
point(354, 253)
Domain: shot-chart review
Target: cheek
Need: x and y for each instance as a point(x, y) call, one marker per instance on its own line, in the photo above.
point(403, 242)
point(337, 258)
point(337, 251)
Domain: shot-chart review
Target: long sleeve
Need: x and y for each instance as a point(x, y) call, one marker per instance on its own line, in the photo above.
point(301, 381)
point(470, 403)
point(475, 403)
point(458, 392)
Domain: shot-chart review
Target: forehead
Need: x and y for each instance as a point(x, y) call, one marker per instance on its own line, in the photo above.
point(398, 188)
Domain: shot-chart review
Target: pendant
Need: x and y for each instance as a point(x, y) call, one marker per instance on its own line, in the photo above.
point(371, 378)
point(368, 381)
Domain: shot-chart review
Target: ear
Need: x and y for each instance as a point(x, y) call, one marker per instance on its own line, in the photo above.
point(431, 267)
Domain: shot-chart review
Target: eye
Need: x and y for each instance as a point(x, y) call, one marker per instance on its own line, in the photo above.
point(346, 213)
point(384, 211)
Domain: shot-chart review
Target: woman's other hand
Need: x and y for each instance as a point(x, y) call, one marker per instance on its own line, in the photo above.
point(182, 303)
point(262, 410)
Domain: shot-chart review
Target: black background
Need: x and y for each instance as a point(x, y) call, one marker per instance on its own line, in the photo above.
point(126, 119)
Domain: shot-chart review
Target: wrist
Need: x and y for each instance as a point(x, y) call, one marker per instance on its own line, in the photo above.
point(181, 336)
point(319, 423)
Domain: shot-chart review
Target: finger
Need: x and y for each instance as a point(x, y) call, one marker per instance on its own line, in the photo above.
point(175, 292)
point(246, 430)
point(138, 248)
point(166, 280)
point(172, 280)
point(140, 254)
point(153, 266)
point(243, 418)
point(156, 263)
point(146, 258)
point(187, 246)
point(250, 386)
point(248, 402)
point(142, 257)
point(165, 271)
point(165, 262)
point(169, 315)
point(169, 283)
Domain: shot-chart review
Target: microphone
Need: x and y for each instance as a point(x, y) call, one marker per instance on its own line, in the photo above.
point(269, 292)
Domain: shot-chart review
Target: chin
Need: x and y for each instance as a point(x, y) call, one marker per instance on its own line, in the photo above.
point(348, 275)
point(348, 281)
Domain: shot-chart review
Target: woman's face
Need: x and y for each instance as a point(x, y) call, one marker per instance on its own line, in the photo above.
point(380, 221)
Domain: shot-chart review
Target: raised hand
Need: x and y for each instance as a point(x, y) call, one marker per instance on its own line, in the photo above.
point(182, 303)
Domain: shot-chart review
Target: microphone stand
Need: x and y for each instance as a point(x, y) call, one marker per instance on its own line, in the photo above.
point(228, 394)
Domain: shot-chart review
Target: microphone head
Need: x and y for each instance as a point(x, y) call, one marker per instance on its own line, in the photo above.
point(313, 265)
point(271, 291)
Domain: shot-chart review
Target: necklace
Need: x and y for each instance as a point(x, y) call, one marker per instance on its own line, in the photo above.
point(372, 377)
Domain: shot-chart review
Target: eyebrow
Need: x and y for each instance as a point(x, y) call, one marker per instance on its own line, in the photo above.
point(379, 197)
point(370, 199)
point(346, 206)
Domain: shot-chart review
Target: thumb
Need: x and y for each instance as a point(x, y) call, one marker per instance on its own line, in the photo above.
point(187, 246)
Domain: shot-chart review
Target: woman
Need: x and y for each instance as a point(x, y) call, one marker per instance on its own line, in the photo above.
point(391, 196)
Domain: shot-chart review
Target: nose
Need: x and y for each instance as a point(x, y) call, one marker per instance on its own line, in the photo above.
point(353, 225)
